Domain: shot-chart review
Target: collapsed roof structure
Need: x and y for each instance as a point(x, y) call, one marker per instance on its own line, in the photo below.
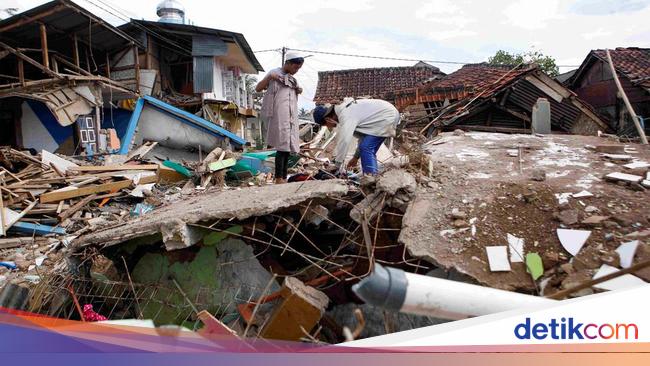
point(487, 97)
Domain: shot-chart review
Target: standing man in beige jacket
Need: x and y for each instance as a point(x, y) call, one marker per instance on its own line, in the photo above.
point(280, 111)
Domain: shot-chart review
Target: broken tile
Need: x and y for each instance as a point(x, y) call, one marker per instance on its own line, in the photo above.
point(583, 194)
point(563, 198)
point(620, 157)
point(621, 282)
point(626, 253)
point(516, 246)
point(594, 220)
point(498, 258)
point(637, 164)
point(610, 148)
point(573, 240)
point(624, 177)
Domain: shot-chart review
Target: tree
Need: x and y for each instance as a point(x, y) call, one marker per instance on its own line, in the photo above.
point(251, 82)
point(303, 113)
point(545, 63)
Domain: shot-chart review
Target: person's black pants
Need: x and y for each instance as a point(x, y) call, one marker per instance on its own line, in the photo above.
point(281, 164)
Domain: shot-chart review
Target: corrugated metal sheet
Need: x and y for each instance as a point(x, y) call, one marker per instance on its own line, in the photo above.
point(203, 74)
point(525, 95)
point(204, 45)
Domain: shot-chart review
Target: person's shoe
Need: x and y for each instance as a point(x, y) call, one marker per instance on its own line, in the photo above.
point(280, 181)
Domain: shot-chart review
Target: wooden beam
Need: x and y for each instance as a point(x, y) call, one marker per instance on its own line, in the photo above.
point(630, 110)
point(85, 191)
point(21, 71)
point(76, 207)
point(136, 61)
point(30, 61)
point(75, 50)
point(44, 50)
point(108, 168)
point(32, 19)
point(108, 65)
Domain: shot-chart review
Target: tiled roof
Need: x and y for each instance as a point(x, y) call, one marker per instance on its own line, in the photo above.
point(470, 79)
point(380, 83)
point(632, 62)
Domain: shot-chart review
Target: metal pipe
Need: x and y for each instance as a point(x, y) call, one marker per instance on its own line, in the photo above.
point(397, 290)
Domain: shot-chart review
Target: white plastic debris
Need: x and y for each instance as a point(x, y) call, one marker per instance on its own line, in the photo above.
point(498, 258)
point(573, 240)
point(516, 246)
point(563, 198)
point(626, 252)
point(621, 282)
point(582, 194)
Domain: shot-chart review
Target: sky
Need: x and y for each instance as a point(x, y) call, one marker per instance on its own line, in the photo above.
point(437, 30)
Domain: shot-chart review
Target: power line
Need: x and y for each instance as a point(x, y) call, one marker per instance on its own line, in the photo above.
point(385, 57)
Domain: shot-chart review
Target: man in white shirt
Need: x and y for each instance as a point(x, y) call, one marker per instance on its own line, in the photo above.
point(371, 120)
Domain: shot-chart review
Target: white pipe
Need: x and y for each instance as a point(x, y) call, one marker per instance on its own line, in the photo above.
point(397, 290)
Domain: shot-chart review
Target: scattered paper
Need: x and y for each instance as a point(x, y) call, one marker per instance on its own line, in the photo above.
point(534, 265)
point(621, 282)
point(573, 240)
point(516, 246)
point(498, 258)
point(626, 253)
point(582, 194)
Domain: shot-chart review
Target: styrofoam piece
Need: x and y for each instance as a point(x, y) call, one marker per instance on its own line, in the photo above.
point(573, 240)
point(626, 253)
point(516, 246)
point(621, 282)
point(498, 258)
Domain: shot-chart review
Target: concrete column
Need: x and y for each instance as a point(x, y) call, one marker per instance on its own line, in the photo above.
point(541, 117)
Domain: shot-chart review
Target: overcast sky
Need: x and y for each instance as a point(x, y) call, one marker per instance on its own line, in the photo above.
point(443, 30)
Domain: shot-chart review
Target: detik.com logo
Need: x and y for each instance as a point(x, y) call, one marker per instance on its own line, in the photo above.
point(568, 328)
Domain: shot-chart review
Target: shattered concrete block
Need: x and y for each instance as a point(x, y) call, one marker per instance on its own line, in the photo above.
point(622, 177)
point(178, 235)
point(372, 205)
point(301, 308)
point(393, 180)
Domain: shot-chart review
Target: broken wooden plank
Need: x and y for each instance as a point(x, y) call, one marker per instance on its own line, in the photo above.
point(114, 167)
point(21, 214)
point(9, 243)
point(98, 188)
point(222, 164)
point(76, 207)
point(299, 311)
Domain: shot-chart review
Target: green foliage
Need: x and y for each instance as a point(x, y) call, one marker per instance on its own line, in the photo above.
point(546, 63)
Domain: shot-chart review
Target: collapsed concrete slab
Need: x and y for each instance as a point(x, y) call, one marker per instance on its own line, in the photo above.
point(172, 220)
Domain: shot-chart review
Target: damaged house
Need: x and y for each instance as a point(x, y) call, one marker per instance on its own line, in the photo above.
point(593, 82)
point(379, 83)
point(76, 85)
point(56, 88)
point(484, 97)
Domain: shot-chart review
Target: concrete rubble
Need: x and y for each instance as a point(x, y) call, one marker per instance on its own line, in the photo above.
point(182, 224)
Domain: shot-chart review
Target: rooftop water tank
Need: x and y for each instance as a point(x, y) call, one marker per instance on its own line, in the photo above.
point(171, 11)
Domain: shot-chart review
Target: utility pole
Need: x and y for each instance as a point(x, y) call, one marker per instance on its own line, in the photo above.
point(630, 110)
point(284, 51)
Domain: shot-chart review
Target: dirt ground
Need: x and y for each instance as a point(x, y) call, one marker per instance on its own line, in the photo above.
point(481, 177)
